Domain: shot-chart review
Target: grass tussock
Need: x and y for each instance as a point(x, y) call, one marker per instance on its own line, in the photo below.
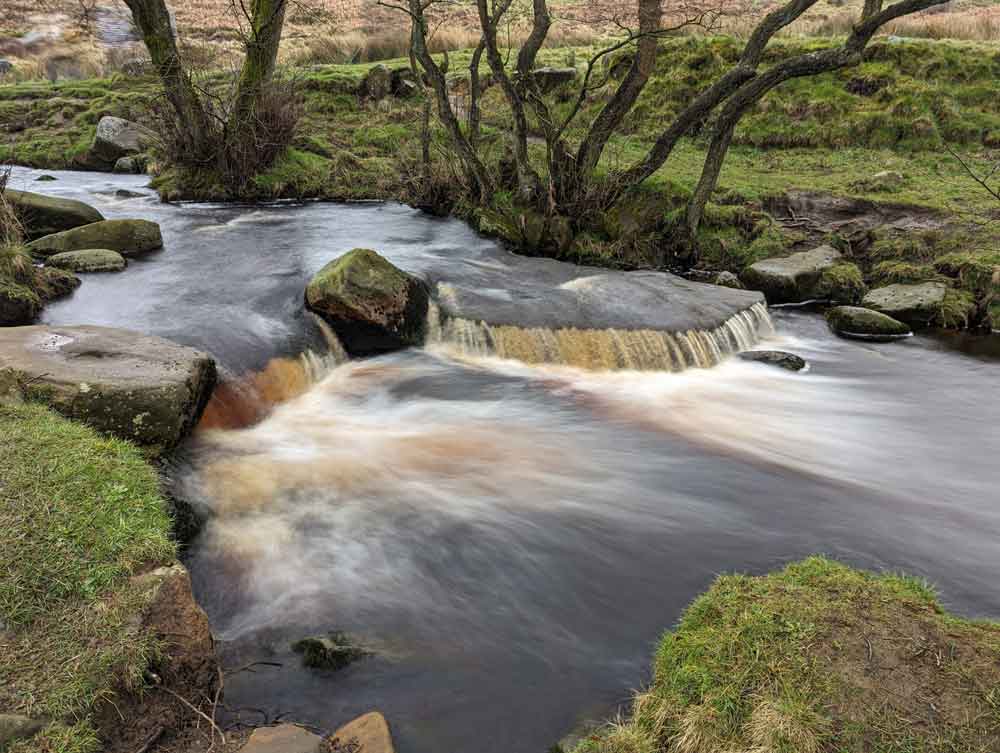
point(817, 657)
point(80, 514)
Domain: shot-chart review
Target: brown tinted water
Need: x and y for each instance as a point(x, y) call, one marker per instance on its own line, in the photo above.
point(511, 538)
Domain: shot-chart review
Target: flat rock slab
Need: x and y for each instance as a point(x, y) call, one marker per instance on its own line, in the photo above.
point(366, 734)
point(917, 305)
point(285, 738)
point(88, 260)
point(127, 237)
point(555, 295)
point(144, 389)
point(43, 215)
point(791, 279)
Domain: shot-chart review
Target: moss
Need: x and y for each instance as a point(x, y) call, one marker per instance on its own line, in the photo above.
point(295, 174)
point(80, 514)
point(957, 309)
point(891, 272)
point(842, 283)
point(816, 657)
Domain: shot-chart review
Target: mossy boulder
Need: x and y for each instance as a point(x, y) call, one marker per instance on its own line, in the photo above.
point(19, 304)
point(917, 305)
point(127, 237)
point(373, 306)
point(377, 83)
point(144, 389)
point(791, 279)
point(43, 215)
point(88, 260)
point(865, 324)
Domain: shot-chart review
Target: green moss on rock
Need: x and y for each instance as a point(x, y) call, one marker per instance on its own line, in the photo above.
point(372, 305)
point(854, 321)
point(127, 237)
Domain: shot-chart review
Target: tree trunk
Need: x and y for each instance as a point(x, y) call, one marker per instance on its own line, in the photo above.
point(153, 21)
point(267, 18)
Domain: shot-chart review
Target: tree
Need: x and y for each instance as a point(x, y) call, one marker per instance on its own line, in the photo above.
point(205, 135)
point(570, 187)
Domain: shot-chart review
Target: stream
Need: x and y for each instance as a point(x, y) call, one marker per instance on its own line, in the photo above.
point(510, 540)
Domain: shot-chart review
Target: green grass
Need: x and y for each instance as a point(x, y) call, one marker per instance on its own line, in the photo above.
point(80, 514)
point(817, 658)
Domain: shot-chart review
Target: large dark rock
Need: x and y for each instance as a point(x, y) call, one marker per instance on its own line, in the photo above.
point(791, 279)
point(917, 305)
point(144, 389)
point(43, 215)
point(115, 138)
point(127, 237)
point(333, 652)
point(372, 305)
point(865, 324)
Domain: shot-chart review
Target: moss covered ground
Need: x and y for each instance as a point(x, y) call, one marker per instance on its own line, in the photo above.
point(817, 658)
point(79, 515)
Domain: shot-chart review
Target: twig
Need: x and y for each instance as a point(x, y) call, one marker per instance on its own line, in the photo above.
point(151, 739)
point(198, 711)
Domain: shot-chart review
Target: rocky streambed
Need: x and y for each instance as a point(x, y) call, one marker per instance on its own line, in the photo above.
point(508, 539)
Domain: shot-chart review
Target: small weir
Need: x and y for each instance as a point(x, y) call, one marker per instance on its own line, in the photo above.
point(603, 349)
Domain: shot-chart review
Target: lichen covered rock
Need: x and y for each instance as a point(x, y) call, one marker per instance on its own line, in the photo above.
point(144, 389)
point(115, 138)
point(373, 306)
point(127, 237)
point(865, 324)
point(88, 260)
point(917, 305)
point(43, 215)
point(791, 279)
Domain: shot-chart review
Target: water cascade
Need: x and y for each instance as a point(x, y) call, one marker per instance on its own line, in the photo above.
point(244, 400)
point(603, 349)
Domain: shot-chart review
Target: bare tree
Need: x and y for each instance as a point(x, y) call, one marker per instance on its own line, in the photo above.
point(570, 173)
point(205, 135)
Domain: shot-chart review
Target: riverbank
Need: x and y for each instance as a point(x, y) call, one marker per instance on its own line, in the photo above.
point(98, 628)
point(816, 657)
point(874, 136)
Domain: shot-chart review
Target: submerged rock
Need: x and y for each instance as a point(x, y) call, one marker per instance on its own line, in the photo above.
point(791, 279)
point(368, 733)
point(917, 305)
point(144, 389)
point(115, 138)
point(43, 215)
point(130, 165)
point(334, 651)
point(285, 738)
point(865, 324)
point(127, 237)
point(778, 358)
point(45, 178)
point(372, 305)
point(88, 260)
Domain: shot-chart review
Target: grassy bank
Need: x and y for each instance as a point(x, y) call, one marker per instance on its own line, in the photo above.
point(817, 658)
point(79, 515)
point(895, 112)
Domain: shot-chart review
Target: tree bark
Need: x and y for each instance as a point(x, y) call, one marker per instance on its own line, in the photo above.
point(474, 168)
point(153, 21)
point(267, 19)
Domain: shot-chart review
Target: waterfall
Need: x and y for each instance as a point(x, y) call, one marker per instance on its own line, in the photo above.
point(244, 400)
point(603, 349)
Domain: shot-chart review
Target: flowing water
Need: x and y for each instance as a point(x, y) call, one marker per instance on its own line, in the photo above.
point(510, 538)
